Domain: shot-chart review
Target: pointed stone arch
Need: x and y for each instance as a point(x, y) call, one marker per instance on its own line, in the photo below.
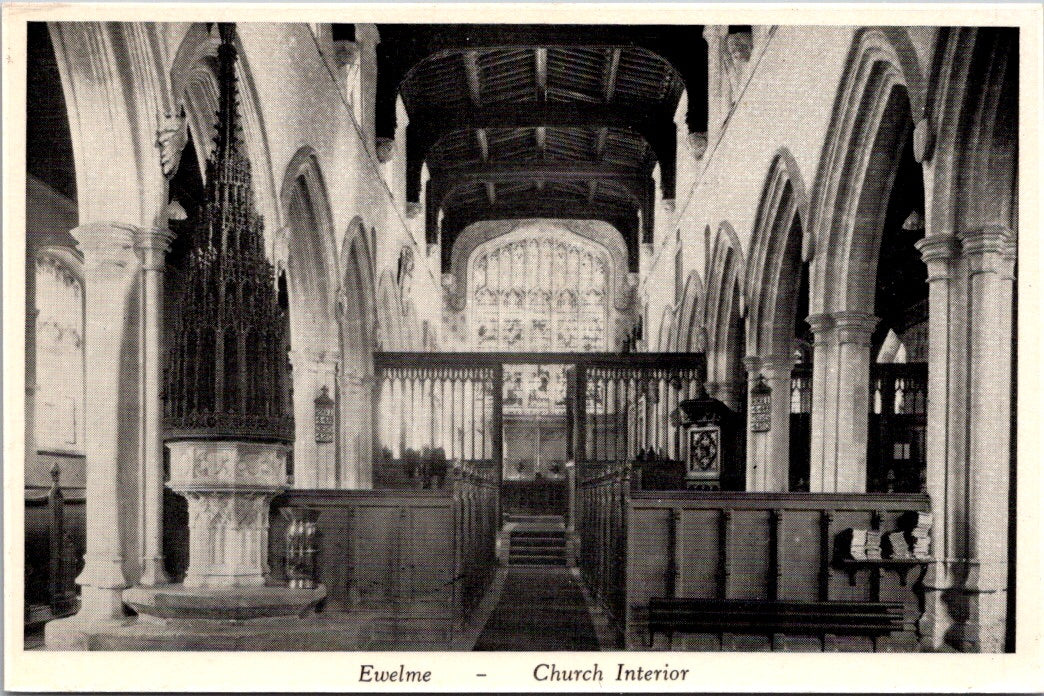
point(969, 140)
point(773, 275)
point(356, 318)
point(306, 246)
point(663, 339)
point(692, 309)
point(725, 308)
point(775, 257)
point(392, 333)
point(871, 123)
point(194, 98)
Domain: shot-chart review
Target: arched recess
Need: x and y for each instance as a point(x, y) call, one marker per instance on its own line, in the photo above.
point(307, 241)
point(194, 88)
point(774, 277)
point(872, 122)
point(356, 314)
point(724, 319)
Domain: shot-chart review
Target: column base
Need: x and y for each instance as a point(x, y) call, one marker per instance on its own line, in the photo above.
point(153, 572)
point(180, 602)
point(77, 632)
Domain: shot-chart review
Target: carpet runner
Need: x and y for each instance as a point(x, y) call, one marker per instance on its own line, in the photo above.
point(540, 609)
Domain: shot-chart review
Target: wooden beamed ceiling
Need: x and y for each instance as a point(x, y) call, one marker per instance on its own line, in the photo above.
point(539, 120)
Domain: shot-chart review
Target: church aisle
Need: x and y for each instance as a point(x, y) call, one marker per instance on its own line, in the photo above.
point(540, 609)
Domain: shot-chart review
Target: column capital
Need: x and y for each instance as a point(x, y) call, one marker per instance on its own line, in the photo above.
point(714, 32)
point(752, 363)
point(775, 366)
point(108, 243)
point(152, 244)
point(820, 324)
point(990, 249)
point(854, 327)
point(937, 250)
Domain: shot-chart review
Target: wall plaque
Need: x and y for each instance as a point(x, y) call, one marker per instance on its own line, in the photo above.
point(761, 407)
point(324, 417)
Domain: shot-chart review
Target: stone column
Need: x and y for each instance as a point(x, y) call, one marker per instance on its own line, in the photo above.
point(938, 252)
point(152, 247)
point(110, 272)
point(768, 453)
point(714, 35)
point(990, 254)
point(824, 400)
point(840, 401)
point(853, 390)
point(757, 454)
point(314, 463)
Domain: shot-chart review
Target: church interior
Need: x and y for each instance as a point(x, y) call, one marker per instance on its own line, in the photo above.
point(540, 337)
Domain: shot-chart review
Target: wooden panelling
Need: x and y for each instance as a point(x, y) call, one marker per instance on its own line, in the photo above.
point(699, 566)
point(750, 545)
point(401, 548)
point(801, 557)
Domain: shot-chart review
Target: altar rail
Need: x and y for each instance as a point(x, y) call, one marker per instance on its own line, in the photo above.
point(636, 545)
point(400, 551)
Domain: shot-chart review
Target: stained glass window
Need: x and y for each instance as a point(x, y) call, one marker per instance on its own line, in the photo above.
point(540, 292)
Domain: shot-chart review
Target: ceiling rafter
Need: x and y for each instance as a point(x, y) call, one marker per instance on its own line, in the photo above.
point(474, 77)
point(540, 68)
point(482, 136)
point(612, 67)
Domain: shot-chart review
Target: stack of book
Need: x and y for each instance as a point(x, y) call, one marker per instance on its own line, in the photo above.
point(895, 545)
point(861, 544)
point(918, 527)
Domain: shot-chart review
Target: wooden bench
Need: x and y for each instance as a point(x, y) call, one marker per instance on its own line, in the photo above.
point(685, 615)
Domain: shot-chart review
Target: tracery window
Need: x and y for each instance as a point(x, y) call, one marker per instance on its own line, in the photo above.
point(539, 292)
point(59, 358)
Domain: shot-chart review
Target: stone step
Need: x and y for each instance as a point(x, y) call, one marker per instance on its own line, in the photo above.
point(539, 536)
point(540, 551)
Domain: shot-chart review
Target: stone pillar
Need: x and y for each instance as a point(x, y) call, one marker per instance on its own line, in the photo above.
point(990, 254)
point(939, 252)
point(768, 453)
point(757, 454)
point(840, 402)
point(853, 390)
point(314, 463)
point(152, 246)
point(714, 35)
point(110, 272)
point(824, 400)
point(229, 485)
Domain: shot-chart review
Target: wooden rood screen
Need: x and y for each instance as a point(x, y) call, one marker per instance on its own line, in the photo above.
point(435, 407)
